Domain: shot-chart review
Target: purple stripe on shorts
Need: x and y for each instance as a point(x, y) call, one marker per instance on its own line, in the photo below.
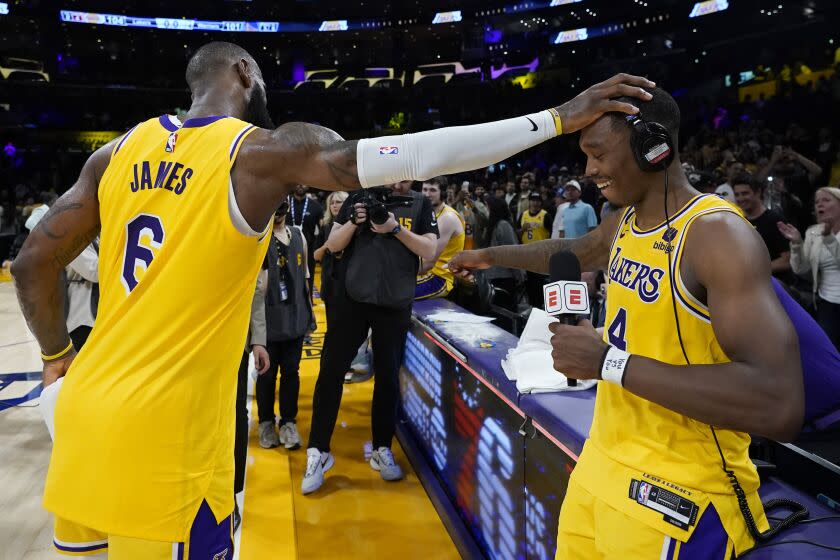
point(429, 287)
point(210, 540)
point(671, 548)
point(167, 124)
point(239, 139)
point(709, 540)
point(201, 121)
point(90, 548)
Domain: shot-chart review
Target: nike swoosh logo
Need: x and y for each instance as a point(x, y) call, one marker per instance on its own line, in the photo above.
point(532, 124)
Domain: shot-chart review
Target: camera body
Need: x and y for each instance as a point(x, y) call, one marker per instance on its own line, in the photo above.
point(378, 201)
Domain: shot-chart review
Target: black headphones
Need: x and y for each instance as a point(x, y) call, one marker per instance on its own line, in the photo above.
point(651, 144)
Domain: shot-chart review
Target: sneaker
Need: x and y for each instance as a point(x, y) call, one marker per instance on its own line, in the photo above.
point(268, 435)
point(358, 376)
point(237, 517)
point(317, 463)
point(382, 460)
point(289, 435)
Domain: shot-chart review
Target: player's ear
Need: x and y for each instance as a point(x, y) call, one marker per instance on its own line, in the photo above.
point(243, 69)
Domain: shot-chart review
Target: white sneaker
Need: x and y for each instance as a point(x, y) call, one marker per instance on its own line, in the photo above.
point(268, 435)
point(289, 436)
point(317, 463)
point(382, 460)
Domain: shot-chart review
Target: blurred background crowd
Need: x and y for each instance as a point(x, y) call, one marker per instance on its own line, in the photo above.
point(758, 86)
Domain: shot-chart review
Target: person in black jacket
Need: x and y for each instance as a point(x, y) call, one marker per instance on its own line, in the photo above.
point(288, 315)
point(322, 253)
point(374, 289)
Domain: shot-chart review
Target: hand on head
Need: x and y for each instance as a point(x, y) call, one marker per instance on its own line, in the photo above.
point(591, 104)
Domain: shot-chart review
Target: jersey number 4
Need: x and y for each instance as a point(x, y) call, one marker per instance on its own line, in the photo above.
point(136, 254)
point(617, 331)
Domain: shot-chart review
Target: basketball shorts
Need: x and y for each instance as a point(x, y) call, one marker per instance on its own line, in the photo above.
point(431, 286)
point(590, 529)
point(208, 541)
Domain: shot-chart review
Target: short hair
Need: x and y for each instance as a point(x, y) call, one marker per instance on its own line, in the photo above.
point(662, 109)
point(441, 181)
point(213, 57)
point(745, 178)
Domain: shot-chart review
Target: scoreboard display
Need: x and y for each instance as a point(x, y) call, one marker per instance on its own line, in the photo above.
point(506, 487)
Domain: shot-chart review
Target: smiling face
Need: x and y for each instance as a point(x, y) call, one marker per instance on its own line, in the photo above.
point(748, 199)
point(610, 162)
point(827, 208)
point(432, 192)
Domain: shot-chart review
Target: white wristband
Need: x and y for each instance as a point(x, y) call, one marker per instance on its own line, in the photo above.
point(614, 364)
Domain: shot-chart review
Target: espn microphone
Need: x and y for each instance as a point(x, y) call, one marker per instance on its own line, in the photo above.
point(566, 297)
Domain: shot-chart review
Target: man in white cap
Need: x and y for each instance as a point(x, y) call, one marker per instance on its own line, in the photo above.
point(578, 217)
point(561, 204)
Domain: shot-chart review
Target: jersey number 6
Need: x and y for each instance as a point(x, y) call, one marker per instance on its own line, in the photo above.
point(136, 254)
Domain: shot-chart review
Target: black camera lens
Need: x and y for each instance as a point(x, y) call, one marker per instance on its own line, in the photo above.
point(378, 214)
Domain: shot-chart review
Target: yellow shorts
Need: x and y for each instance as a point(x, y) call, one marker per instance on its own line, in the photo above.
point(208, 541)
point(590, 529)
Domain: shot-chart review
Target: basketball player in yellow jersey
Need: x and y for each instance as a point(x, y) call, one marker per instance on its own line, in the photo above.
point(433, 280)
point(680, 354)
point(142, 463)
point(532, 223)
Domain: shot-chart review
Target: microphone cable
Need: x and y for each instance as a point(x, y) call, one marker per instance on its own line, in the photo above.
point(799, 511)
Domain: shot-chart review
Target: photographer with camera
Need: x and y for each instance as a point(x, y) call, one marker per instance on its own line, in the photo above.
point(383, 234)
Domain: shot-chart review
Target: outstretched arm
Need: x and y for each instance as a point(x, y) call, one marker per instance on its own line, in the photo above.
point(592, 250)
point(269, 162)
point(67, 228)
point(760, 391)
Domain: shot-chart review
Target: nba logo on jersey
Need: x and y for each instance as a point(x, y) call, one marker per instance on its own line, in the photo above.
point(170, 142)
point(388, 151)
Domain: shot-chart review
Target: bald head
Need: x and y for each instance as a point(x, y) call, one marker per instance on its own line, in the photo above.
point(211, 60)
point(225, 80)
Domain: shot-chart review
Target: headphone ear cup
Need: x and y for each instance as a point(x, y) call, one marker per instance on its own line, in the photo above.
point(655, 148)
point(637, 136)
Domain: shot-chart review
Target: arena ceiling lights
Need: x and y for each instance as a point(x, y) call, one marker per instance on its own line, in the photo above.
point(708, 7)
point(185, 24)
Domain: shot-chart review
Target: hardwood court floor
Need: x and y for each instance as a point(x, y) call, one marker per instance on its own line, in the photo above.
point(355, 514)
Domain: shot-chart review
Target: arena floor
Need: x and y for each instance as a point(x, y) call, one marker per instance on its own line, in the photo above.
point(354, 515)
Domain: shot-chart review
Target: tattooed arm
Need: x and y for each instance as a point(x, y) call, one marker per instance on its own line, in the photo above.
point(271, 162)
point(67, 228)
point(592, 250)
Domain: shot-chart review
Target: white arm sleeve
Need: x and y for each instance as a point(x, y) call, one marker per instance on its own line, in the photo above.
point(421, 156)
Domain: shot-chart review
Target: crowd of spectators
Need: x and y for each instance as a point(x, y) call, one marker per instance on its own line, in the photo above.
point(770, 156)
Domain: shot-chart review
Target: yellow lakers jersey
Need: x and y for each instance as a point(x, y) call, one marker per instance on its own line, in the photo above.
point(454, 246)
point(144, 423)
point(636, 444)
point(537, 232)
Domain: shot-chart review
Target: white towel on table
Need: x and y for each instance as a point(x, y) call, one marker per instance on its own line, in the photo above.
point(530, 363)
